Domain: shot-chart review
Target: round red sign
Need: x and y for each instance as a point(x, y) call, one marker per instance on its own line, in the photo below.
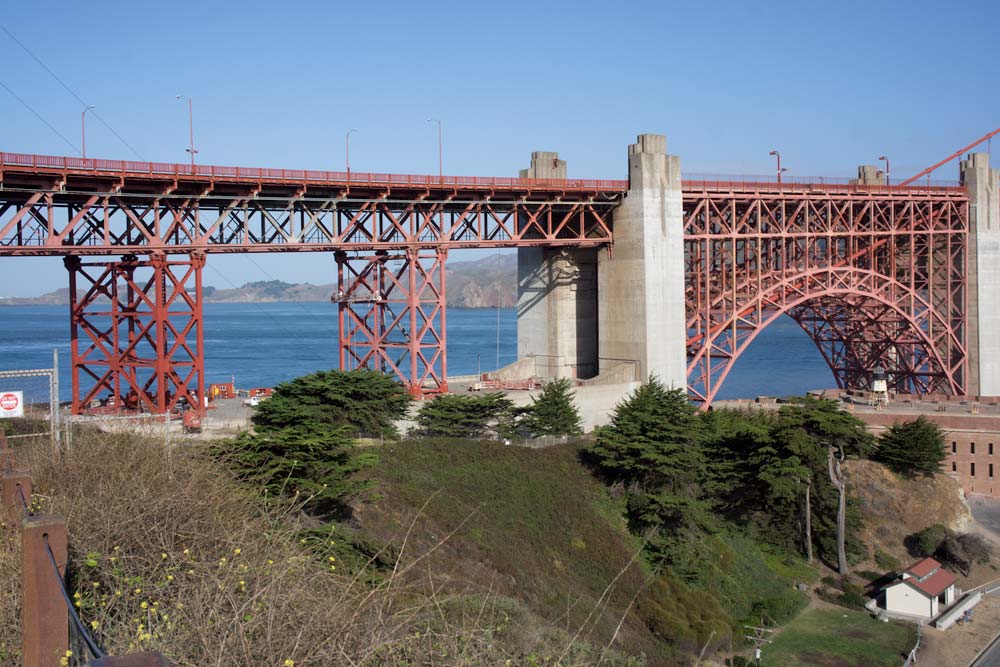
point(8, 402)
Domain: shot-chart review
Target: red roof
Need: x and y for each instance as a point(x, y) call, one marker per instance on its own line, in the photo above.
point(928, 577)
point(923, 568)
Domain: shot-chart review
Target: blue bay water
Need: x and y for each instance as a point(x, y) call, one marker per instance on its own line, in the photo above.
point(262, 344)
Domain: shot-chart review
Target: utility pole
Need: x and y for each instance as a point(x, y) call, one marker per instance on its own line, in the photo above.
point(760, 638)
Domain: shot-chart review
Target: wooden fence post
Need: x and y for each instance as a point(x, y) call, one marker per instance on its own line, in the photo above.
point(14, 483)
point(6, 454)
point(44, 616)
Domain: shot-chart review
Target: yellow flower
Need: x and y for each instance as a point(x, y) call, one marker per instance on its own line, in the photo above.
point(170, 577)
point(118, 594)
point(163, 556)
point(237, 551)
point(144, 605)
point(137, 591)
point(270, 562)
point(187, 552)
point(289, 662)
point(94, 625)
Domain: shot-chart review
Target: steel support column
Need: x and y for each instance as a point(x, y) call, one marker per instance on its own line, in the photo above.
point(137, 343)
point(391, 315)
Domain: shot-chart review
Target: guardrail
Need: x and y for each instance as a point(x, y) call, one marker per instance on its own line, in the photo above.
point(46, 606)
point(130, 168)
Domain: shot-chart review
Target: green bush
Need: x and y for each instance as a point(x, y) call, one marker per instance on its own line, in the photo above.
point(552, 412)
point(927, 541)
point(472, 417)
point(887, 562)
point(912, 448)
point(367, 401)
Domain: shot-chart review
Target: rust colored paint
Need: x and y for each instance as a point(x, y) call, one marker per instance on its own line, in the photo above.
point(44, 616)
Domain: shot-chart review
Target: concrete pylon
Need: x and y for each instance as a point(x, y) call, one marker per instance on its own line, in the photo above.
point(556, 300)
point(983, 185)
point(641, 311)
point(869, 174)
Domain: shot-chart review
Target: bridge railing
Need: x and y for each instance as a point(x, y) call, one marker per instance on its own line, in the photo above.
point(130, 168)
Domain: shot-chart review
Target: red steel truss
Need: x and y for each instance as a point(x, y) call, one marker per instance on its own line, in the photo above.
point(874, 274)
point(136, 333)
point(392, 315)
point(875, 278)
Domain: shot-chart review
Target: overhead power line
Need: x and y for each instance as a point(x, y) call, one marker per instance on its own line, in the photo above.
point(39, 117)
point(69, 90)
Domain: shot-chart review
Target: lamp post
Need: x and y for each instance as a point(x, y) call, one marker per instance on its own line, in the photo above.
point(190, 150)
point(778, 155)
point(886, 160)
point(440, 153)
point(347, 153)
point(83, 129)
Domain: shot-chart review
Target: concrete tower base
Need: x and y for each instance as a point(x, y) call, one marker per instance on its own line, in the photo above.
point(556, 301)
point(641, 308)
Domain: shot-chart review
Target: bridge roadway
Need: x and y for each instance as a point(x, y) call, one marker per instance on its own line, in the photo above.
point(53, 205)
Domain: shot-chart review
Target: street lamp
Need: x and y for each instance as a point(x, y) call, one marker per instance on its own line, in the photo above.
point(778, 155)
point(83, 129)
point(882, 157)
point(347, 153)
point(190, 150)
point(440, 154)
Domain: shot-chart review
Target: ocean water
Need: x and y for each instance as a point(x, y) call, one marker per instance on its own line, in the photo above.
point(262, 344)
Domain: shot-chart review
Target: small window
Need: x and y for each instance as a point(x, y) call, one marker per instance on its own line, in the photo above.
point(954, 447)
point(991, 471)
point(991, 449)
point(972, 469)
point(954, 467)
point(972, 448)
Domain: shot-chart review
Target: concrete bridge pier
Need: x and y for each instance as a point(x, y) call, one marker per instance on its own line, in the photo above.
point(983, 275)
point(641, 307)
point(556, 301)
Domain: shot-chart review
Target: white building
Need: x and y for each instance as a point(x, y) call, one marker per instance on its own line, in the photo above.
point(923, 591)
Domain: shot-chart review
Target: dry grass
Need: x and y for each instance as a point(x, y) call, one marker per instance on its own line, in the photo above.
point(168, 553)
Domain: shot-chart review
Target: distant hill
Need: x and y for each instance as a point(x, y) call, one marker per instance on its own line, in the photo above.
point(471, 284)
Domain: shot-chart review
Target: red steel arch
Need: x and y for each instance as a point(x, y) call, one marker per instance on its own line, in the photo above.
point(874, 276)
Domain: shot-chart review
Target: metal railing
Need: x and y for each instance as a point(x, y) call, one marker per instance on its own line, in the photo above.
point(126, 168)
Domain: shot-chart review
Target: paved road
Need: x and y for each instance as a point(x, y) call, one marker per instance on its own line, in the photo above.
point(986, 511)
point(990, 657)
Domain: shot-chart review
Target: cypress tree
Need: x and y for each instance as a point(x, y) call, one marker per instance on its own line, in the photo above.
point(553, 412)
point(912, 448)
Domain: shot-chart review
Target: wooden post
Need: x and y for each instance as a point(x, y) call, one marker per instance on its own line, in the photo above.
point(151, 659)
point(44, 616)
point(6, 454)
point(14, 483)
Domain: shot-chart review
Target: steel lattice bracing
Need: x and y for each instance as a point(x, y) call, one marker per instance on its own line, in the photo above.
point(392, 315)
point(875, 278)
point(136, 332)
point(52, 206)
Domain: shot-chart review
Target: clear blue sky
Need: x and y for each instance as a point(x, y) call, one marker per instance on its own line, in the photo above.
point(831, 85)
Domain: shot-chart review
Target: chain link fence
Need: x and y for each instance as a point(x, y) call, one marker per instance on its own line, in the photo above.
point(33, 395)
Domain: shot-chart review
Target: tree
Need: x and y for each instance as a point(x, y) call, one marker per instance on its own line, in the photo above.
point(553, 411)
point(456, 416)
point(314, 461)
point(964, 550)
point(653, 439)
point(912, 448)
point(368, 401)
point(840, 434)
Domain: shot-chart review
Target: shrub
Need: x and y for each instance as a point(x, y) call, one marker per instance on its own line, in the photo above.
point(887, 561)
point(963, 551)
point(366, 400)
point(927, 541)
point(912, 448)
point(553, 411)
point(310, 460)
point(456, 416)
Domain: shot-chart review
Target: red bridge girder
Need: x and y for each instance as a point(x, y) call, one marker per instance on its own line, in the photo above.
point(873, 278)
point(136, 333)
